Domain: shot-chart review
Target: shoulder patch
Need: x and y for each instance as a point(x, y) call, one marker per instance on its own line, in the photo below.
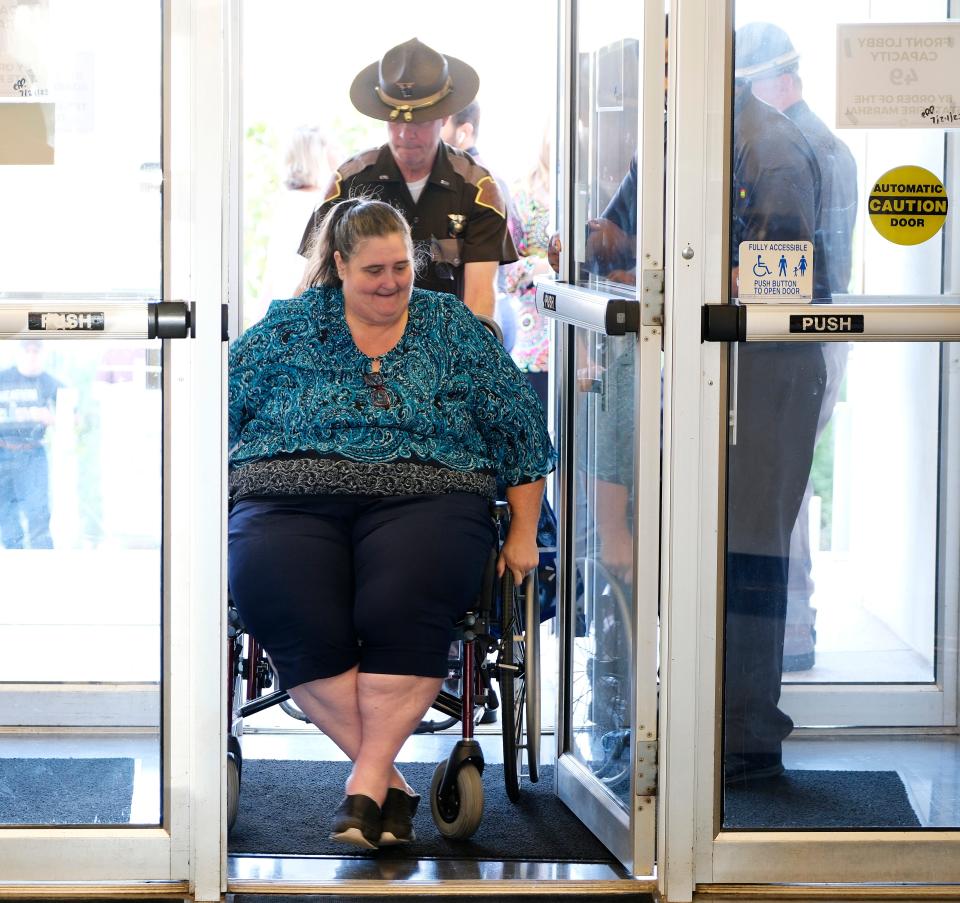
point(333, 189)
point(358, 163)
point(354, 166)
point(488, 195)
point(465, 166)
point(488, 191)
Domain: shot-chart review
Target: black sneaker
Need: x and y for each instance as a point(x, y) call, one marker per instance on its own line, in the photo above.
point(357, 822)
point(396, 822)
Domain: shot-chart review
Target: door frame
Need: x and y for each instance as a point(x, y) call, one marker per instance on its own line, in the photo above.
point(186, 854)
point(694, 387)
point(694, 853)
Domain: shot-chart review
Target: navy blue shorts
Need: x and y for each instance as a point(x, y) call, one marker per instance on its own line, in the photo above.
point(328, 582)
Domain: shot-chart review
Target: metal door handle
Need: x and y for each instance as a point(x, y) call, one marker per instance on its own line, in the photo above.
point(93, 320)
point(869, 318)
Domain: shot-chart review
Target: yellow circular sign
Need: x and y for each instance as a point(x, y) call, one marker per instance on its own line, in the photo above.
point(908, 205)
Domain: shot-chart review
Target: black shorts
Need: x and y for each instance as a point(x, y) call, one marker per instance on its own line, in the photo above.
point(329, 582)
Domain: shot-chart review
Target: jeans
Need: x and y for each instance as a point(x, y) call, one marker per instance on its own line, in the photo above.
point(25, 491)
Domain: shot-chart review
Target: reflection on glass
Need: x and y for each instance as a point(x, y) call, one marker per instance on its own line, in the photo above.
point(80, 421)
point(80, 525)
point(873, 550)
point(605, 167)
point(602, 672)
point(841, 599)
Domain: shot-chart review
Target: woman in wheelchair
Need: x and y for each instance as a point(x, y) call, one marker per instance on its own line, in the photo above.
point(369, 424)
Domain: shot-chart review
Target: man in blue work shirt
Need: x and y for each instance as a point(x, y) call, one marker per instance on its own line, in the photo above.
point(779, 388)
point(767, 59)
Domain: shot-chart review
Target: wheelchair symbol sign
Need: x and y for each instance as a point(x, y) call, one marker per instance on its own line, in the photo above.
point(776, 272)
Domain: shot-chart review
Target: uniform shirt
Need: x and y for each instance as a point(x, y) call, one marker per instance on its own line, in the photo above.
point(513, 220)
point(776, 184)
point(838, 192)
point(776, 196)
point(304, 421)
point(460, 217)
point(20, 397)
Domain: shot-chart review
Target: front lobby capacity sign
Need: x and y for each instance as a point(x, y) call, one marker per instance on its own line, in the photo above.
point(898, 75)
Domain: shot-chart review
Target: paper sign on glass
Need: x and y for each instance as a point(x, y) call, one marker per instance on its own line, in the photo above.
point(898, 75)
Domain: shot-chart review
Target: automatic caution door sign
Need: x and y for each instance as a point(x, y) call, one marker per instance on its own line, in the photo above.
point(908, 205)
point(776, 272)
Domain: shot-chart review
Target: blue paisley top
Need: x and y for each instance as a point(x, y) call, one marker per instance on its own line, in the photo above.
point(303, 420)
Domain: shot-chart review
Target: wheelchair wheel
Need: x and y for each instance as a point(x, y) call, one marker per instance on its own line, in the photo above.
point(233, 790)
point(519, 676)
point(531, 673)
point(234, 775)
point(460, 815)
point(600, 678)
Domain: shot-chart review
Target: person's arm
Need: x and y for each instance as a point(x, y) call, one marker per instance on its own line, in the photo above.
point(509, 419)
point(478, 292)
point(607, 242)
point(486, 244)
point(240, 374)
point(616, 539)
point(519, 551)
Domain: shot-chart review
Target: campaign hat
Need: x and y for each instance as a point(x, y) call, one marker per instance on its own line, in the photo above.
point(414, 83)
point(763, 50)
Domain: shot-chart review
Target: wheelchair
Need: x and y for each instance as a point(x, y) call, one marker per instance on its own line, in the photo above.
point(498, 643)
point(601, 675)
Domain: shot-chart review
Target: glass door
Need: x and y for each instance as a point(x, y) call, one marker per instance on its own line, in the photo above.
point(869, 610)
point(607, 308)
point(838, 515)
point(98, 442)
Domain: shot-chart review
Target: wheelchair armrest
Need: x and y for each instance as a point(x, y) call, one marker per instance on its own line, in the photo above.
point(492, 325)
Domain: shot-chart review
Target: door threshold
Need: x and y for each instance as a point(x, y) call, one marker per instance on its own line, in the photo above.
point(416, 877)
point(86, 890)
point(867, 893)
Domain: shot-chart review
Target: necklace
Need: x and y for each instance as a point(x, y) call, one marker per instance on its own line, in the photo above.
point(373, 380)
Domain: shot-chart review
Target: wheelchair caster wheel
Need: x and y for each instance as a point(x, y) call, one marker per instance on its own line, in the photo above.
point(460, 815)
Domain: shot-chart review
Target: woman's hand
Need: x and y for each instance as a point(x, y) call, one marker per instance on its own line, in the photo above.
point(519, 552)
